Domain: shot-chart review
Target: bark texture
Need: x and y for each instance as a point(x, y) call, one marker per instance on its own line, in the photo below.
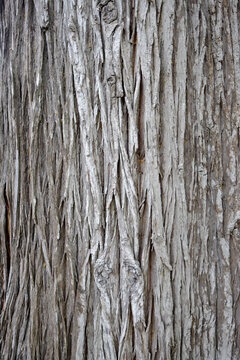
point(120, 179)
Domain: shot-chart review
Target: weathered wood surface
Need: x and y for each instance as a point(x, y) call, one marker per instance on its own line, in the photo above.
point(119, 186)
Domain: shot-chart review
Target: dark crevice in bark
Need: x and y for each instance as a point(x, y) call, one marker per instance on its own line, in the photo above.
point(140, 123)
point(174, 51)
point(7, 231)
point(2, 5)
point(134, 49)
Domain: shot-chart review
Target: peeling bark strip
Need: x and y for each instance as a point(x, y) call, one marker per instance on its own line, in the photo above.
point(120, 179)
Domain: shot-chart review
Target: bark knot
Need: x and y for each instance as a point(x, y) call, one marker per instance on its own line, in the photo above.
point(112, 81)
point(102, 273)
point(134, 275)
point(109, 11)
point(101, 3)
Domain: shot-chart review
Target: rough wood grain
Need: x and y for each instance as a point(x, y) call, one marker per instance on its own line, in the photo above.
point(120, 183)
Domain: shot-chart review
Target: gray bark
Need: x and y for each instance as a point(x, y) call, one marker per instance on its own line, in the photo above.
point(120, 183)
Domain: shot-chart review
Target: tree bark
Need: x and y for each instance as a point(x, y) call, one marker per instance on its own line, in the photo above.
point(120, 179)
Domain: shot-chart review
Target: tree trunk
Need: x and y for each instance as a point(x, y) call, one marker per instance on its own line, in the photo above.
point(120, 179)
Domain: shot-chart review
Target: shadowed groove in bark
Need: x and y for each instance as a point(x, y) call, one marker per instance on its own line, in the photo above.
point(119, 187)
